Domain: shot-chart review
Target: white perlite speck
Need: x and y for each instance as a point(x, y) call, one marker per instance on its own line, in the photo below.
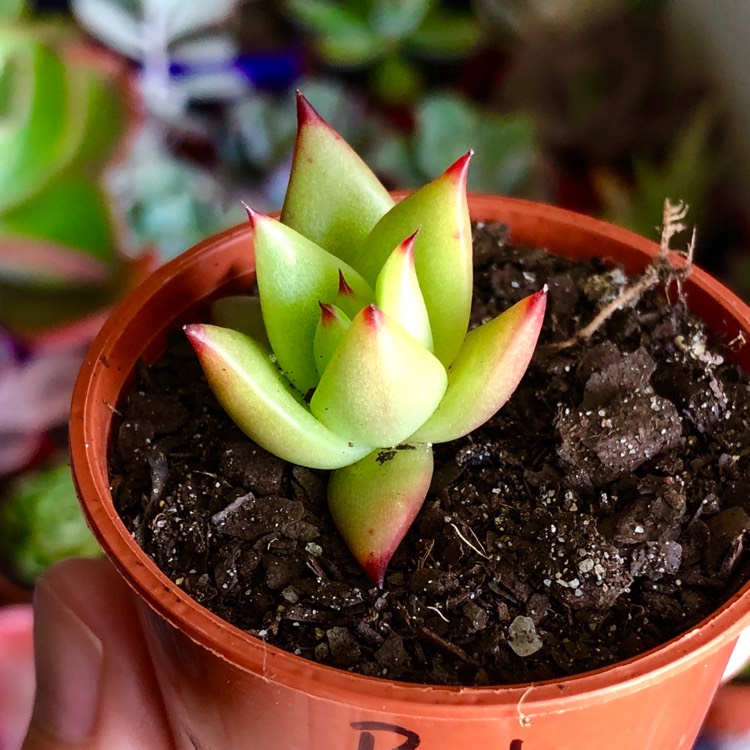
point(522, 636)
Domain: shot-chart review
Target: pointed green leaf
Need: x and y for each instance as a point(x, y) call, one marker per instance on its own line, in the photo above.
point(331, 328)
point(398, 295)
point(380, 384)
point(254, 393)
point(487, 370)
point(294, 274)
point(374, 501)
point(333, 198)
point(442, 253)
point(242, 313)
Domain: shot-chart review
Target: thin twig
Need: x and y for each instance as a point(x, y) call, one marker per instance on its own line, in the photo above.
point(448, 646)
point(660, 270)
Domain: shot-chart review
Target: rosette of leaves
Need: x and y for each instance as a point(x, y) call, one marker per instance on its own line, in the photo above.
point(356, 355)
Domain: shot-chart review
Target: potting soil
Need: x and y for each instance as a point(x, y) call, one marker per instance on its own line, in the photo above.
point(601, 512)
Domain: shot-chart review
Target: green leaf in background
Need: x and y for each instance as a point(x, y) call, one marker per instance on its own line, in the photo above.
point(505, 145)
point(352, 49)
point(38, 135)
point(445, 33)
point(325, 16)
point(686, 174)
point(73, 212)
point(396, 19)
point(41, 523)
point(343, 37)
point(394, 79)
point(11, 9)
point(446, 127)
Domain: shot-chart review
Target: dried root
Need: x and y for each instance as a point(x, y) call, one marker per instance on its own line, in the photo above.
point(663, 270)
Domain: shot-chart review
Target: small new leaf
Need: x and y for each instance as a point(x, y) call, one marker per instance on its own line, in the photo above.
point(398, 295)
point(331, 328)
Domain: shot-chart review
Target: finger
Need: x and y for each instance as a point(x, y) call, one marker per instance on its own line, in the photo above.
point(95, 683)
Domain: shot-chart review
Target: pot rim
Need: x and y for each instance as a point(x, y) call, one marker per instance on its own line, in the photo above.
point(251, 654)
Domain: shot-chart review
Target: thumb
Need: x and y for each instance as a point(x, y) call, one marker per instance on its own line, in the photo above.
point(95, 682)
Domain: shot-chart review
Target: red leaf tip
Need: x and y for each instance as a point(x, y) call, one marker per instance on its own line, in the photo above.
point(306, 113)
point(375, 570)
point(344, 288)
point(373, 317)
point(195, 333)
point(459, 170)
point(251, 215)
point(407, 246)
point(327, 313)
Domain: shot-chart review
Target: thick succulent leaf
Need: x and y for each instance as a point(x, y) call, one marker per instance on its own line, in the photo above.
point(254, 393)
point(331, 328)
point(380, 384)
point(242, 313)
point(333, 197)
point(294, 274)
point(398, 295)
point(442, 253)
point(487, 370)
point(374, 501)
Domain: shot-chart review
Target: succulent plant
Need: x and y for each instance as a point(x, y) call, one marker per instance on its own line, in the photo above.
point(356, 358)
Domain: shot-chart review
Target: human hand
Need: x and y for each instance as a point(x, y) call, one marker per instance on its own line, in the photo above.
point(96, 686)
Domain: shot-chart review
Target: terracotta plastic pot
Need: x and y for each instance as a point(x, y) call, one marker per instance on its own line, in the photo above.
point(226, 689)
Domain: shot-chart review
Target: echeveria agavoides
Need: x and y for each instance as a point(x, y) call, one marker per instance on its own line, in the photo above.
point(357, 355)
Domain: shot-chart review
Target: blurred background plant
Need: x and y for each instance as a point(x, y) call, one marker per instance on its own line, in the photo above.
point(134, 128)
point(62, 117)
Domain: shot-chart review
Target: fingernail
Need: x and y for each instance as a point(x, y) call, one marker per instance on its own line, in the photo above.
point(68, 659)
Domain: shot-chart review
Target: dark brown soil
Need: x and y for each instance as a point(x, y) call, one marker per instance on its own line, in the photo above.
point(601, 512)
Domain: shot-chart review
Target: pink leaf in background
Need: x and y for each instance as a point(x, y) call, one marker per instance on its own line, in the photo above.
point(35, 395)
point(49, 263)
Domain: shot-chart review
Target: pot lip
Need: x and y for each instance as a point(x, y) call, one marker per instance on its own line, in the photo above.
point(250, 654)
